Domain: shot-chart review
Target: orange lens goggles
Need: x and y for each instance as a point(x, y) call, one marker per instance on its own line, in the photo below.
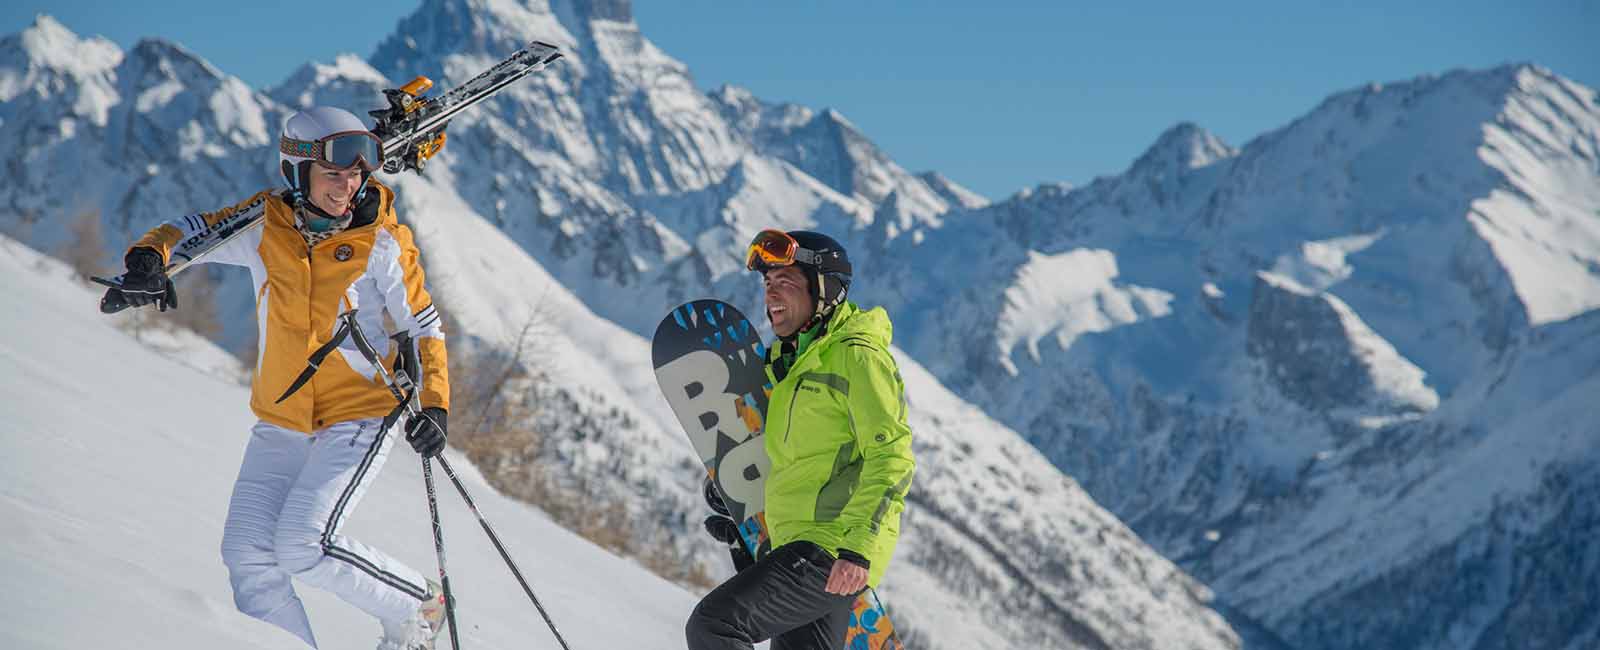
point(771, 249)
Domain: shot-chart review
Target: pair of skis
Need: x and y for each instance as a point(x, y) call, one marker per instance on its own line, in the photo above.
point(412, 130)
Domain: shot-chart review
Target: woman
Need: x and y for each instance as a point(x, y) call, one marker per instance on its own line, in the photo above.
point(330, 242)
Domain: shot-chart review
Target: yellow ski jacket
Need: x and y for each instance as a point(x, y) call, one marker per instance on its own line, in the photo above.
point(371, 266)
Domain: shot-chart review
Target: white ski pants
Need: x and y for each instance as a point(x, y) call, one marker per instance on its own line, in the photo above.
point(293, 493)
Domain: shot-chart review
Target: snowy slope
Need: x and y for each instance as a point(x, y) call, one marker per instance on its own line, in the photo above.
point(117, 465)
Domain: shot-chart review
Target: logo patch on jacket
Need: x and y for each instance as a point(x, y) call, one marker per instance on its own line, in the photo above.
point(343, 252)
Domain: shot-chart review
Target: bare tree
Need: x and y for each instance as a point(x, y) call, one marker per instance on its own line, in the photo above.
point(85, 247)
point(490, 391)
point(197, 295)
point(249, 352)
point(497, 399)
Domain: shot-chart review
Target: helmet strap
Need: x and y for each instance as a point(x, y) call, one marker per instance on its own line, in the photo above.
point(291, 176)
point(824, 306)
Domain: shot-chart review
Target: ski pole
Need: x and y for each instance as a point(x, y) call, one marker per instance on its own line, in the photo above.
point(400, 386)
point(438, 549)
point(406, 402)
point(462, 489)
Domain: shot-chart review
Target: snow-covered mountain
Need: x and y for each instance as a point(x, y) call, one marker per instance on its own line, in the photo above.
point(1335, 372)
point(591, 199)
point(1339, 373)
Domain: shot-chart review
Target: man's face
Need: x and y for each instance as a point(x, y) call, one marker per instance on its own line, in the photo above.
point(332, 190)
point(789, 305)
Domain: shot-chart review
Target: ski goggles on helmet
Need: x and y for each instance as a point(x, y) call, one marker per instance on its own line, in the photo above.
point(773, 249)
point(338, 151)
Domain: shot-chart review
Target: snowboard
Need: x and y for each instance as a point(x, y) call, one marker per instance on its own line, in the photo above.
point(710, 365)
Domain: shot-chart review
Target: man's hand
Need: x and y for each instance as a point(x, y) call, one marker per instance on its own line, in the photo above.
point(723, 529)
point(847, 578)
point(714, 499)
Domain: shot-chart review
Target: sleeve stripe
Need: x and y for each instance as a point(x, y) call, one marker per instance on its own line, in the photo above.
point(431, 320)
point(889, 496)
point(422, 313)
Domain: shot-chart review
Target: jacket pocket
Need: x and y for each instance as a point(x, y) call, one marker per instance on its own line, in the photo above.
point(813, 556)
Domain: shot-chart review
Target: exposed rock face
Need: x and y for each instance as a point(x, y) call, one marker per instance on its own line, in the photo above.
point(1319, 354)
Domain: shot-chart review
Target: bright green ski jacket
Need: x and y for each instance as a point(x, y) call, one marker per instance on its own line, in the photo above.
point(837, 436)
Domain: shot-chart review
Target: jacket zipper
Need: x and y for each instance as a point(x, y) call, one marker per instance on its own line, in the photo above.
point(789, 424)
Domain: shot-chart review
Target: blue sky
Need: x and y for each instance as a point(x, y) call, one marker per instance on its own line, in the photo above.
point(997, 95)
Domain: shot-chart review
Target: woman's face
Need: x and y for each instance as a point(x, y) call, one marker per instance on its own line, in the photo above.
point(333, 190)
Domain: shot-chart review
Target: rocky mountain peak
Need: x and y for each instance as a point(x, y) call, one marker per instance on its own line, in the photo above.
point(1179, 149)
point(952, 192)
point(487, 28)
point(172, 61)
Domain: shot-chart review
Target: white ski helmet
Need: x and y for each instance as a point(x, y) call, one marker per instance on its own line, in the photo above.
point(332, 137)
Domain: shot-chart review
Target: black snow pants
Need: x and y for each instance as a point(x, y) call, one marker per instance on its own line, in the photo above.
point(782, 597)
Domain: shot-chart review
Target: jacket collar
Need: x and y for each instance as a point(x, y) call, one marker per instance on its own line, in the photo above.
point(807, 358)
point(375, 206)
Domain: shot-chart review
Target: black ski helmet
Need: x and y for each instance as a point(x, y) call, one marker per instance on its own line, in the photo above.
point(829, 278)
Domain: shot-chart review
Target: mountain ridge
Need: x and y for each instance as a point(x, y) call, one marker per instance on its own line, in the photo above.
point(580, 242)
point(1438, 232)
point(1451, 216)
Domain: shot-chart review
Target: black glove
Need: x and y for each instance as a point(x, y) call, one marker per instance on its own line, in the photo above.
point(426, 431)
point(146, 281)
point(721, 526)
point(714, 498)
point(723, 529)
point(726, 530)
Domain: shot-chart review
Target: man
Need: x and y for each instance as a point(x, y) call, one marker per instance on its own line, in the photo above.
point(840, 448)
point(329, 243)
